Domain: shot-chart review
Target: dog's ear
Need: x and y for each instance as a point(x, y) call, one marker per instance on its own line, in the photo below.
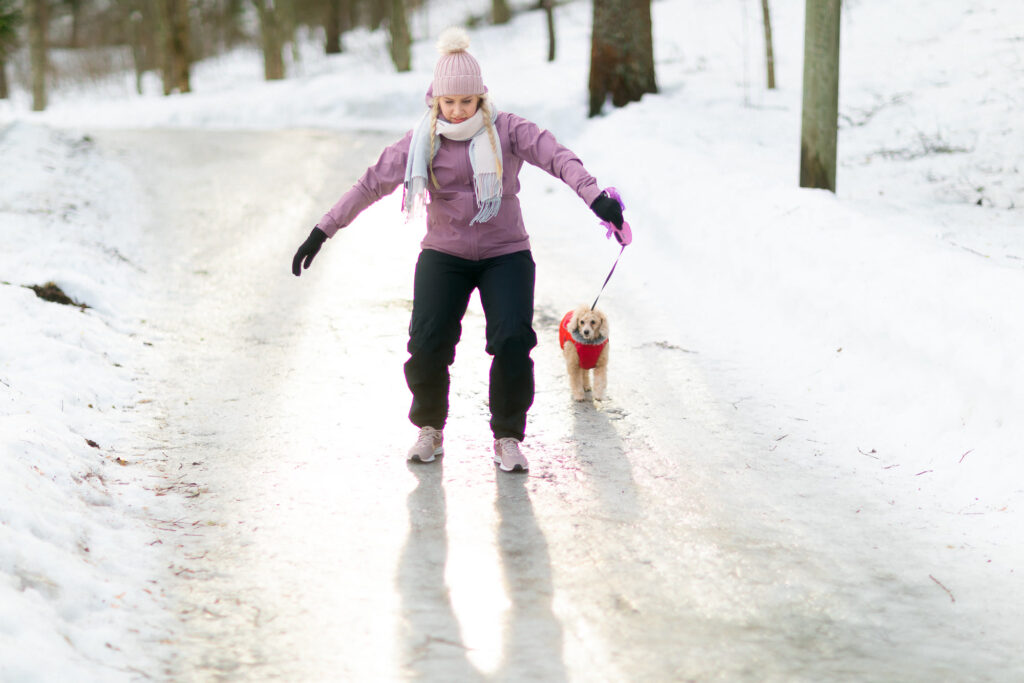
point(574, 321)
point(603, 328)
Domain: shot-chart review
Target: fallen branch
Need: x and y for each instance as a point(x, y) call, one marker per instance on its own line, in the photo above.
point(948, 592)
point(965, 455)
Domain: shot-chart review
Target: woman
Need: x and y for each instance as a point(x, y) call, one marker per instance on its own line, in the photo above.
point(462, 163)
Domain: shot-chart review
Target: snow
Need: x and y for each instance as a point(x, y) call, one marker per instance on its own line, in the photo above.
point(866, 343)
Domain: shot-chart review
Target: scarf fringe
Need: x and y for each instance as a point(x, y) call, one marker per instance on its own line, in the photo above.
point(487, 185)
point(414, 197)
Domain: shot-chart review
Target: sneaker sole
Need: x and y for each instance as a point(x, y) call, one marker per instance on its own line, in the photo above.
point(436, 454)
point(515, 468)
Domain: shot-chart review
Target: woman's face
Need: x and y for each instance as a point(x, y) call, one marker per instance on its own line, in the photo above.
point(458, 108)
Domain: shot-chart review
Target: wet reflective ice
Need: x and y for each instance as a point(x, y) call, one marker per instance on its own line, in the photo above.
point(642, 546)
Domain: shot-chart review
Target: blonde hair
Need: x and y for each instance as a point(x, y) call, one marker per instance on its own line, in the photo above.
point(484, 105)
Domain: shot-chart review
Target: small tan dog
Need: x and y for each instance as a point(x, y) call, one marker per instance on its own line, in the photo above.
point(583, 336)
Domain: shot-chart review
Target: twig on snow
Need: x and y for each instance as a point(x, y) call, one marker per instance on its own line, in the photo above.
point(965, 455)
point(948, 592)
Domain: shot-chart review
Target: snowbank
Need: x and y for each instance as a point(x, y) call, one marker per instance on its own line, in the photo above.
point(874, 334)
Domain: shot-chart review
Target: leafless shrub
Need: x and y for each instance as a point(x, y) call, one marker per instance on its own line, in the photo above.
point(857, 117)
point(925, 146)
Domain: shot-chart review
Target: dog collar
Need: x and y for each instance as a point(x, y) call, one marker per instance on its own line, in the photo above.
point(580, 339)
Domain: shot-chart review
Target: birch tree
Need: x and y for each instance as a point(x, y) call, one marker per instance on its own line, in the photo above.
point(819, 121)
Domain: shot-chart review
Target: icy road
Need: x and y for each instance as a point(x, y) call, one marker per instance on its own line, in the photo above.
point(656, 537)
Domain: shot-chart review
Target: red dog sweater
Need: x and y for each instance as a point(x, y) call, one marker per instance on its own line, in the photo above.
point(588, 351)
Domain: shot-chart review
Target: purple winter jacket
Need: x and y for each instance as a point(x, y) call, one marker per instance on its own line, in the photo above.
point(451, 208)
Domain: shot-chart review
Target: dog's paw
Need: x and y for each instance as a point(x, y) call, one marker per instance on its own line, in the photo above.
point(579, 398)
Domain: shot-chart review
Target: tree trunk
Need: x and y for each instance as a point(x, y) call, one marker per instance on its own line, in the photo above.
point(500, 13)
point(332, 27)
point(234, 17)
point(549, 11)
point(11, 17)
point(769, 50)
point(141, 31)
point(36, 18)
point(174, 30)
point(818, 130)
point(379, 10)
point(621, 53)
point(76, 22)
point(272, 36)
point(401, 40)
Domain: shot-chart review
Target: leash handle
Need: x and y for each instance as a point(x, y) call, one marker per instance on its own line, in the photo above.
point(609, 277)
point(623, 234)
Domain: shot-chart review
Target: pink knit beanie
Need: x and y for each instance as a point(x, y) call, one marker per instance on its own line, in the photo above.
point(456, 72)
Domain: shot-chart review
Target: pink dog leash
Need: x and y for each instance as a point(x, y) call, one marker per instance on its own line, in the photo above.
point(623, 235)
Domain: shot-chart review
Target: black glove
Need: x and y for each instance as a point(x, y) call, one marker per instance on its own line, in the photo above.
point(308, 250)
point(607, 209)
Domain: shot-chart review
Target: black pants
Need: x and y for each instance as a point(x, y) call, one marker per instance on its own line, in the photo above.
point(441, 291)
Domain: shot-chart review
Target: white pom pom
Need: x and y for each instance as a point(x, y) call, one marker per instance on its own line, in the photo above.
point(453, 39)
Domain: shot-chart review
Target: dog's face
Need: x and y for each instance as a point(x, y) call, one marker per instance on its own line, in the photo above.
point(590, 324)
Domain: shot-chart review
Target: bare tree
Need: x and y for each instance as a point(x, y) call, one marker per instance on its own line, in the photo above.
point(549, 11)
point(379, 11)
point(37, 20)
point(142, 28)
point(621, 53)
point(75, 8)
point(818, 129)
point(272, 32)
point(137, 39)
point(173, 26)
point(10, 19)
point(336, 13)
point(769, 50)
point(401, 40)
point(500, 13)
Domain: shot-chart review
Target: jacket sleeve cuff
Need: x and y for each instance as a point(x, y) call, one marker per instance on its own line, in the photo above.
point(587, 194)
point(328, 225)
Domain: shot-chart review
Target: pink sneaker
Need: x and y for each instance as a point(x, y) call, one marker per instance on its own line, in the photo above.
point(508, 456)
point(429, 445)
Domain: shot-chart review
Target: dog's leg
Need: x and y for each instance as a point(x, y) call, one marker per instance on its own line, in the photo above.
point(600, 383)
point(601, 376)
point(576, 383)
point(572, 368)
point(586, 379)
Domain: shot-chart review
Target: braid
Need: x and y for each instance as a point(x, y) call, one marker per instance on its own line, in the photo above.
point(485, 107)
point(435, 108)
